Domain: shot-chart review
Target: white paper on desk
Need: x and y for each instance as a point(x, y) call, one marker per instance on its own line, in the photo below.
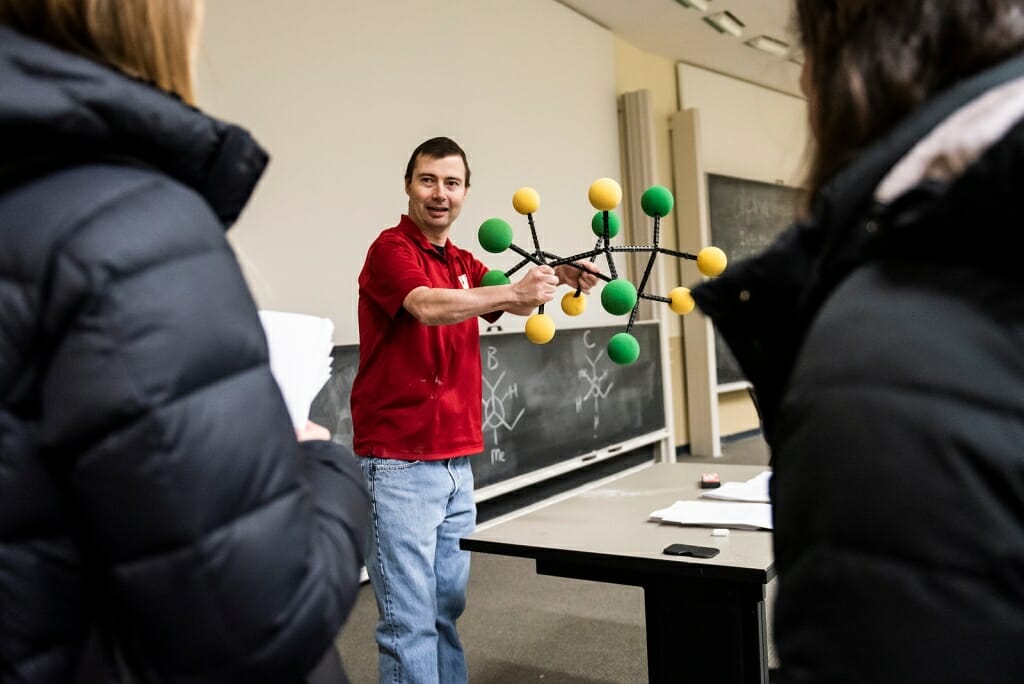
point(300, 358)
point(750, 516)
point(754, 490)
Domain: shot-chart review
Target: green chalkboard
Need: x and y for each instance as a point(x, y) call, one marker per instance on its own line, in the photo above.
point(745, 217)
point(548, 403)
point(542, 404)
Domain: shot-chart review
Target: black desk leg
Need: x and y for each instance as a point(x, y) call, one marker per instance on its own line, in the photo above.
point(707, 633)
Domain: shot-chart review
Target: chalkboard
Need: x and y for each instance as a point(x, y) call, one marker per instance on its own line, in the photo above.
point(548, 403)
point(542, 404)
point(745, 217)
point(331, 407)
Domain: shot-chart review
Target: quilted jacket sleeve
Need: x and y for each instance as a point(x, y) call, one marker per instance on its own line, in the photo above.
point(228, 551)
point(755, 306)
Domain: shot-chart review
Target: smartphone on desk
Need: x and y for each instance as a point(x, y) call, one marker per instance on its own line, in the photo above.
point(690, 550)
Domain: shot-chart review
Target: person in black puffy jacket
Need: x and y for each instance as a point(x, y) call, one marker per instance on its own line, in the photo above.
point(884, 337)
point(159, 520)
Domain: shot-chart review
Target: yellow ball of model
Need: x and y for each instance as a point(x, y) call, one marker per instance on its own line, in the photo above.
point(540, 328)
point(604, 194)
point(681, 301)
point(573, 304)
point(711, 261)
point(526, 201)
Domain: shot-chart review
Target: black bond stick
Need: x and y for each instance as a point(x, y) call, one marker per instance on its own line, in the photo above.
point(536, 250)
point(647, 272)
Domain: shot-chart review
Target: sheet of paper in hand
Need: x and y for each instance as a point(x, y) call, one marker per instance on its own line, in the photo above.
point(300, 358)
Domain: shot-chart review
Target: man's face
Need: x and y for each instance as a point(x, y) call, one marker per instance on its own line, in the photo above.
point(436, 193)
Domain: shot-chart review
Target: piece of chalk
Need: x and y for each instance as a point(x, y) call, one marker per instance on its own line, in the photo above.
point(720, 532)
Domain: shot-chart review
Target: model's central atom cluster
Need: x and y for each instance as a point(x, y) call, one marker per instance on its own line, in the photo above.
point(618, 296)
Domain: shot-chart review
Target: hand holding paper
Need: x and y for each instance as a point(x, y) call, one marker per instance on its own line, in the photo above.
point(312, 431)
point(300, 358)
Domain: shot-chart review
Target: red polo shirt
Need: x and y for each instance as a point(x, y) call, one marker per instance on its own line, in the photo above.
point(417, 394)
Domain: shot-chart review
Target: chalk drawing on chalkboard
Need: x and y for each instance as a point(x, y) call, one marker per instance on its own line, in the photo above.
point(595, 389)
point(619, 296)
point(496, 393)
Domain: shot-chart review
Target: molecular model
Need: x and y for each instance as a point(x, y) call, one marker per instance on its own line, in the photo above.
point(618, 296)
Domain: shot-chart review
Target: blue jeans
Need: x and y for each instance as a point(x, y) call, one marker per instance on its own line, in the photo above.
point(420, 509)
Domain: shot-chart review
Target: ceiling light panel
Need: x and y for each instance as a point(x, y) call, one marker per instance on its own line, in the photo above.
point(772, 46)
point(701, 5)
point(725, 22)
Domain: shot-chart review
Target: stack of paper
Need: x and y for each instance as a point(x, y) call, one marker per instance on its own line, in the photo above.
point(755, 490)
point(300, 358)
point(749, 516)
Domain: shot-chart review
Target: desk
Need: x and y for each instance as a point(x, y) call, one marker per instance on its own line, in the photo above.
point(705, 618)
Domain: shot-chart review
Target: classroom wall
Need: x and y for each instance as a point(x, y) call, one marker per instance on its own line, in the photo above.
point(340, 93)
point(748, 131)
point(752, 132)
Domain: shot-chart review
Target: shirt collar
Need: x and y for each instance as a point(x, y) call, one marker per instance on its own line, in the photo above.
point(409, 227)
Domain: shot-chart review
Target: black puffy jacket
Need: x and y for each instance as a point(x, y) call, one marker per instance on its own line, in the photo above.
point(152, 491)
point(884, 337)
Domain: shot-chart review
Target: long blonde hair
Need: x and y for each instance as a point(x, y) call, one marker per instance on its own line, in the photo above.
point(149, 39)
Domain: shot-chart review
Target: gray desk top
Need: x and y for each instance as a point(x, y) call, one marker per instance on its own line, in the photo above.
point(609, 525)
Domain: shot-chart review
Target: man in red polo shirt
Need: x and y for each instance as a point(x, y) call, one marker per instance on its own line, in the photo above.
point(417, 411)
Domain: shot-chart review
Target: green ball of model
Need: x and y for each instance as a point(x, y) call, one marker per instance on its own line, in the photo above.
point(597, 224)
point(494, 277)
point(623, 349)
point(656, 201)
point(618, 297)
point(495, 235)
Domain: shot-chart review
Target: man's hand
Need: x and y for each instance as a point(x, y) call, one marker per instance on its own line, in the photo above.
point(537, 287)
point(574, 277)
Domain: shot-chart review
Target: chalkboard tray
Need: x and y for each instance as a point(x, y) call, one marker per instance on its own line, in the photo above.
point(546, 408)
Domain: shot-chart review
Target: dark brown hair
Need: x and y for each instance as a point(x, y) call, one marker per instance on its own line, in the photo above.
point(436, 148)
point(872, 62)
point(147, 39)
